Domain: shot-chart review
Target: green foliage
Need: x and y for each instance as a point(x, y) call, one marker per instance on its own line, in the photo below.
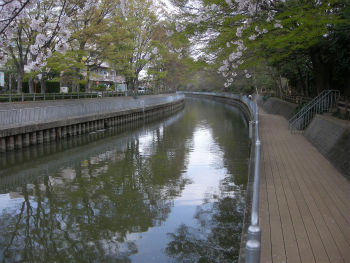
point(52, 87)
point(284, 43)
point(100, 87)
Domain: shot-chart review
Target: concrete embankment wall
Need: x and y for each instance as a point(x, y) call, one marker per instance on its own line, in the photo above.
point(277, 107)
point(328, 134)
point(26, 123)
point(241, 102)
point(331, 138)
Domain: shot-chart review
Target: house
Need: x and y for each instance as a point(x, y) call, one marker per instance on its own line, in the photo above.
point(105, 75)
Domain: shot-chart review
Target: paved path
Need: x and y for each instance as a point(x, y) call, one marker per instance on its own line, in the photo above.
point(304, 200)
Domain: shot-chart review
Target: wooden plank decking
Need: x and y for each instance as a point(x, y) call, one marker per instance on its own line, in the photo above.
point(304, 201)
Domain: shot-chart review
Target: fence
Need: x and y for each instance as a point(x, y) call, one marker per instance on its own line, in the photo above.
point(63, 96)
point(48, 113)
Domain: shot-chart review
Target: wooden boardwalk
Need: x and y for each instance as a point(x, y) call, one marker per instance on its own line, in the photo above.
point(304, 201)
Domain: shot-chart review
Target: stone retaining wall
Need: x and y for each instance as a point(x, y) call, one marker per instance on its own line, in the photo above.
point(277, 107)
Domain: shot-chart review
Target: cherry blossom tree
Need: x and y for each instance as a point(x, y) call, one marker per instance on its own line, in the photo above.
point(35, 30)
point(10, 10)
point(242, 33)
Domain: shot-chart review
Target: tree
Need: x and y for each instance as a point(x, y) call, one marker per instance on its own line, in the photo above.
point(243, 34)
point(142, 27)
point(10, 11)
point(39, 32)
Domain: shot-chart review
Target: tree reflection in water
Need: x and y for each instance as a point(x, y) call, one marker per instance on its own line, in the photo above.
point(88, 211)
point(217, 237)
point(98, 202)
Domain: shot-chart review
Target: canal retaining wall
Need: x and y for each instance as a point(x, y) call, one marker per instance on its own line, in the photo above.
point(331, 138)
point(328, 134)
point(26, 123)
point(241, 102)
point(23, 167)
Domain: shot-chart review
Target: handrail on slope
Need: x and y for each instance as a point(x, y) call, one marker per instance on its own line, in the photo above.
point(323, 103)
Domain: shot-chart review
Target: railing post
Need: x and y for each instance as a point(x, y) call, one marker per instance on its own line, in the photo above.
point(253, 248)
point(251, 129)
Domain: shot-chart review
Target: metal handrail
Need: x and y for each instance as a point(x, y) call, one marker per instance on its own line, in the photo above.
point(324, 102)
point(253, 245)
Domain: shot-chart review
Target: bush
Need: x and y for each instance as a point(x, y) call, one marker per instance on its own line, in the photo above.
point(52, 87)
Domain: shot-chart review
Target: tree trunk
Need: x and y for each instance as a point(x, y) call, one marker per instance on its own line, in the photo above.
point(88, 82)
point(20, 76)
point(319, 71)
point(32, 89)
point(75, 84)
point(43, 82)
point(302, 82)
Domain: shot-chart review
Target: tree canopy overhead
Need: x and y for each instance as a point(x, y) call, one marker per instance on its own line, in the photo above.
point(242, 35)
point(289, 46)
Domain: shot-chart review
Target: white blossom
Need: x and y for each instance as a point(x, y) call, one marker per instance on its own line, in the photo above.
point(34, 49)
point(41, 39)
point(37, 65)
point(253, 37)
point(3, 57)
point(61, 47)
point(239, 32)
point(278, 24)
point(248, 76)
point(179, 28)
point(155, 51)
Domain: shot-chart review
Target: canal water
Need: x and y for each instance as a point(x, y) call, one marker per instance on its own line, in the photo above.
point(167, 189)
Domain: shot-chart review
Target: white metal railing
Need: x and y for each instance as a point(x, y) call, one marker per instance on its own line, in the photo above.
point(48, 113)
point(253, 245)
point(323, 103)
